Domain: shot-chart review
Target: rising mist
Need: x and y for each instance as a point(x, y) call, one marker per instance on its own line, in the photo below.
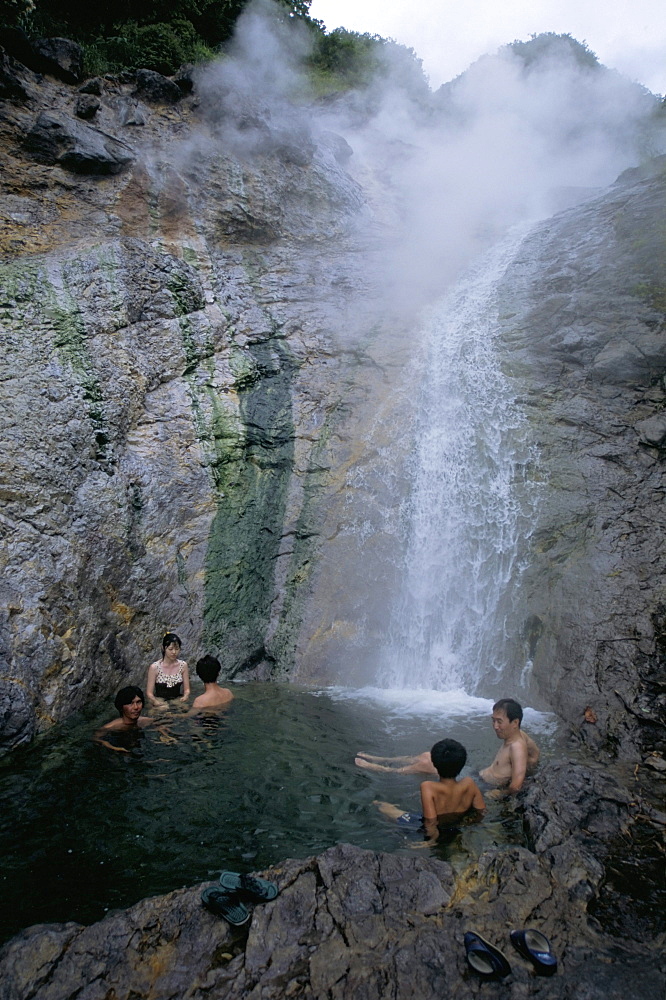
point(523, 133)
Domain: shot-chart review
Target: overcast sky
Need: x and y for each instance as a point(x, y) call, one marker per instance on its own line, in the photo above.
point(627, 35)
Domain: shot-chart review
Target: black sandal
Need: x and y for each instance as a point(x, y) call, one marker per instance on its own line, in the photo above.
point(225, 905)
point(535, 947)
point(249, 887)
point(485, 959)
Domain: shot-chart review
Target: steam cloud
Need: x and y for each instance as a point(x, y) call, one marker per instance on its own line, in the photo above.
point(444, 173)
point(440, 176)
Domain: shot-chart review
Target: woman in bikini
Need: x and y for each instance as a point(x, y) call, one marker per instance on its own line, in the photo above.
point(168, 678)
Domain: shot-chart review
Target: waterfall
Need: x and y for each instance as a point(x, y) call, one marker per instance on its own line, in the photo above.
point(472, 503)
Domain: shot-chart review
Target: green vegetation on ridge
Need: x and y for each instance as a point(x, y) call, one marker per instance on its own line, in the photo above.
point(133, 34)
point(549, 45)
point(162, 35)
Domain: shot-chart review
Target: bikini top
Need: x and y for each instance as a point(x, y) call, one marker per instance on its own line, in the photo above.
point(170, 680)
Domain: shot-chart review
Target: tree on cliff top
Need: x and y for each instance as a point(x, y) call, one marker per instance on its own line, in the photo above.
point(13, 12)
point(132, 34)
point(81, 20)
point(342, 59)
point(550, 45)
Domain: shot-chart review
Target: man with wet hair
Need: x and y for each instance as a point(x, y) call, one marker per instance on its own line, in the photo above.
point(443, 802)
point(516, 758)
point(208, 668)
point(129, 703)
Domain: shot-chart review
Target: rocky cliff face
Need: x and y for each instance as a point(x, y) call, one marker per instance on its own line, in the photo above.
point(197, 409)
point(171, 303)
point(585, 334)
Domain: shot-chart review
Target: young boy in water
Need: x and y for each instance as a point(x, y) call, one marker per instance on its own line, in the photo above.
point(445, 801)
point(208, 668)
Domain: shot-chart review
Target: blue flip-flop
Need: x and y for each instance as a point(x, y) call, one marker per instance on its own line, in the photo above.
point(535, 947)
point(484, 958)
point(249, 887)
point(226, 905)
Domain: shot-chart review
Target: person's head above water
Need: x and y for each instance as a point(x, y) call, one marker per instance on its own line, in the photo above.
point(511, 709)
point(448, 757)
point(126, 696)
point(170, 639)
point(507, 716)
point(208, 669)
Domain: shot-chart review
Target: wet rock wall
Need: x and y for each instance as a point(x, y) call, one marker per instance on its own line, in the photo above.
point(584, 320)
point(173, 385)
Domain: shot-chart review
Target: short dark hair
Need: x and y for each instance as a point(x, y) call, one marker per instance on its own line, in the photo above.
point(169, 638)
point(208, 669)
point(448, 757)
point(511, 709)
point(127, 695)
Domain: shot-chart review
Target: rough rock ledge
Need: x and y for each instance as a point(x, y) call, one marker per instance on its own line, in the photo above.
point(350, 923)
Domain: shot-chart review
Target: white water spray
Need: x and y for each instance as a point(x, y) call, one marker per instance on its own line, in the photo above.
point(472, 503)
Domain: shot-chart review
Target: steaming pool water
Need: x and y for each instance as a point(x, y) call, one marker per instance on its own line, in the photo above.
point(85, 830)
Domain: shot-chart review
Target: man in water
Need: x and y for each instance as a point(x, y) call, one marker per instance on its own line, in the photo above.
point(214, 696)
point(129, 702)
point(516, 758)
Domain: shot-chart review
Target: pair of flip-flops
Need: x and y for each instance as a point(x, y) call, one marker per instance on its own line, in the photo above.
point(228, 899)
point(489, 961)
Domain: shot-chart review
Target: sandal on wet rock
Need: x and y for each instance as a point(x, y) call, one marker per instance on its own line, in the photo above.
point(225, 905)
point(249, 887)
point(485, 959)
point(535, 947)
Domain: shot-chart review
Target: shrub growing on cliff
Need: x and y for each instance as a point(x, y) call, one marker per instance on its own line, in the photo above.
point(162, 47)
point(213, 20)
point(128, 34)
point(15, 13)
point(550, 45)
point(349, 57)
point(342, 60)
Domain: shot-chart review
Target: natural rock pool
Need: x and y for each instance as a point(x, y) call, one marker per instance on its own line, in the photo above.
point(86, 830)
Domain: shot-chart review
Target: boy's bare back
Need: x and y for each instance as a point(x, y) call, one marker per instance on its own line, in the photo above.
point(449, 796)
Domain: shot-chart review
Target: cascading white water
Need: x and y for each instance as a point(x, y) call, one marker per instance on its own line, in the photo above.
point(472, 503)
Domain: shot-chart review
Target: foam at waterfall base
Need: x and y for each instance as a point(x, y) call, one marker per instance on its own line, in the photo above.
point(420, 702)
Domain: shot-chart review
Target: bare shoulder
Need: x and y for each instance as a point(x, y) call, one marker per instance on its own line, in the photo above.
point(114, 724)
point(213, 700)
point(429, 792)
point(155, 665)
